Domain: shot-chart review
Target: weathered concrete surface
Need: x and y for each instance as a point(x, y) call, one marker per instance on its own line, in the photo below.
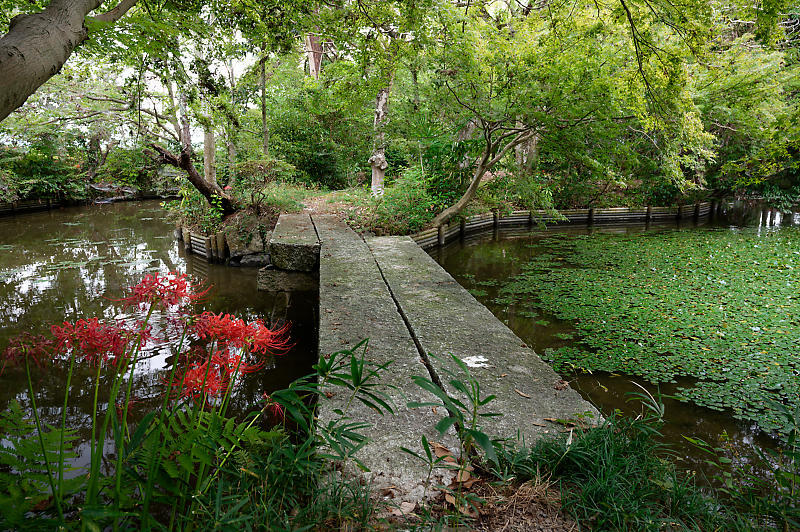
point(238, 246)
point(355, 304)
point(273, 280)
point(445, 319)
point(294, 245)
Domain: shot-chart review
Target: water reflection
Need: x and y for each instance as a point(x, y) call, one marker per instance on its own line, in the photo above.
point(73, 263)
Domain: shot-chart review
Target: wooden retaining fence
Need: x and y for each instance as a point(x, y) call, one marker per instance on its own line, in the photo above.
point(43, 204)
point(616, 215)
point(214, 248)
point(28, 206)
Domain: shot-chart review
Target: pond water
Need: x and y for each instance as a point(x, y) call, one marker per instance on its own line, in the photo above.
point(560, 263)
point(72, 263)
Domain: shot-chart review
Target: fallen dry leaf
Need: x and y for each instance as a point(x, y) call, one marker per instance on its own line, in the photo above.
point(404, 509)
point(523, 394)
point(561, 385)
point(468, 484)
point(440, 450)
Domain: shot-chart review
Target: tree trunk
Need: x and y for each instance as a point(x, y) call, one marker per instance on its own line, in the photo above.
point(531, 153)
point(184, 162)
point(264, 127)
point(231, 145)
point(93, 158)
point(38, 44)
point(464, 200)
point(209, 155)
point(415, 83)
point(485, 164)
point(314, 51)
point(527, 153)
point(378, 158)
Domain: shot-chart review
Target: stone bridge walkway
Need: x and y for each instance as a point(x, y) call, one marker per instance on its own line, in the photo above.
point(414, 314)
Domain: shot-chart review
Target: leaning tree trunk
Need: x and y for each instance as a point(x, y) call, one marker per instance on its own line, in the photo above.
point(38, 44)
point(378, 158)
point(486, 162)
point(208, 190)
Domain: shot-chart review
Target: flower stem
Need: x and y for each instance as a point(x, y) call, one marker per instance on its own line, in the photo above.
point(41, 442)
point(64, 428)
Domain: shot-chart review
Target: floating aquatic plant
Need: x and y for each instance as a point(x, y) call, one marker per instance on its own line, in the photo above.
point(721, 307)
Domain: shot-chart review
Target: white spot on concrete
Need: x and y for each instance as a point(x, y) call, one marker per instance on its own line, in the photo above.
point(477, 361)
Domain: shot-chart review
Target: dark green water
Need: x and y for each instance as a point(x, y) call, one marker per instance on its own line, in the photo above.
point(72, 263)
point(483, 262)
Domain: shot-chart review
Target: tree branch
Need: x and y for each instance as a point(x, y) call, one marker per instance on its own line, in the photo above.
point(116, 13)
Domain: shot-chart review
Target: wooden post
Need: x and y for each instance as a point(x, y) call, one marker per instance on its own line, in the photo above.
point(496, 219)
point(649, 214)
point(462, 226)
point(441, 235)
point(222, 246)
point(187, 239)
point(696, 211)
point(590, 219)
point(212, 241)
point(530, 218)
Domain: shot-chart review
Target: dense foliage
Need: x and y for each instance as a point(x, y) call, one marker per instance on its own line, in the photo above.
point(572, 104)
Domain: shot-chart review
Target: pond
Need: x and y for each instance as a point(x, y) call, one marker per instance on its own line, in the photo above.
point(706, 315)
point(73, 263)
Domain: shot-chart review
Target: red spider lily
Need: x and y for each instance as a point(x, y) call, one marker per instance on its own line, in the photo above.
point(96, 342)
point(202, 380)
point(173, 289)
point(223, 328)
point(272, 408)
point(36, 349)
point(120, 407)
point(212, 378)
point(266, 341)
point(255, 337)
point(231, 364)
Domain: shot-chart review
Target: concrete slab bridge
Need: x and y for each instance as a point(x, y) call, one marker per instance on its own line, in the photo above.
point(414, 315)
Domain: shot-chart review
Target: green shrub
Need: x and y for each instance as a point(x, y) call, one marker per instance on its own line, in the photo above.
point(404, 207)
point(43, 171)
point(9, 190)
point(193, 210)
point(263, 185)
point(129, 166)
point(446, 175)
point(262, 171)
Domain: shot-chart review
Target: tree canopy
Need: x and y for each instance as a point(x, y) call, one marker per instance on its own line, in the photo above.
point(559, 103)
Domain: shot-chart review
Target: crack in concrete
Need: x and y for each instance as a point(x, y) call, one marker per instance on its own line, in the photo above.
point(423, 355)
